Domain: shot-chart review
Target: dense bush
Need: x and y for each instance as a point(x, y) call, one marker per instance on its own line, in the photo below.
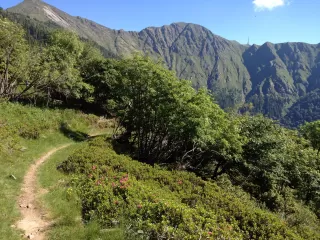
point(157, 203)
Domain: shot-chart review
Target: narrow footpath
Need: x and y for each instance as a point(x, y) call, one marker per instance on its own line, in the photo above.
point(34, 222)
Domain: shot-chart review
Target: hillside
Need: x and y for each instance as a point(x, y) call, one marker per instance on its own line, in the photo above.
point(272, 76)
point(88, 182)
point(172, 165)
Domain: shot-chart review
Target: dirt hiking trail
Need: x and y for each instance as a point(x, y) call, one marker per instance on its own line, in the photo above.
point(34, 222)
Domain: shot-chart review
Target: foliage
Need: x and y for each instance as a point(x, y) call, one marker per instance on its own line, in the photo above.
point(155, 203)
point(165, 119)
point(54, 72)
point(277, 167)
point(64, 206)
point(311, 131)
point(13, 58)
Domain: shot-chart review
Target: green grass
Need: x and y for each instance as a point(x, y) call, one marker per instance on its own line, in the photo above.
point(64, 206)
point(26, 133)
point(17, 165)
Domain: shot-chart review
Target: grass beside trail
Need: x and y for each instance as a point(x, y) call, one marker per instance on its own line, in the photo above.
point(63, 204)
point(15, 166)
point(26, 133)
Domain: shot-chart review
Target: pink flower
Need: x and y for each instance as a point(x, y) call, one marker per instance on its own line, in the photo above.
point(113, 185)
point(139, 206)
point(94, 167)
point(180, 182)
point(124, 180)
point(90, 176)
point(210, 233)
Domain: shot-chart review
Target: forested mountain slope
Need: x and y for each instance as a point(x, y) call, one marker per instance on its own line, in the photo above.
point(273, 76)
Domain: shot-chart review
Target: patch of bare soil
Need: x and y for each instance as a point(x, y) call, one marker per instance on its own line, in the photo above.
point(34, 222)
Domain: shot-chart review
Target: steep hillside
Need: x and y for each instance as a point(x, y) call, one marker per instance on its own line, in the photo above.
point(280, 74)
point(119, 42)
point(272, 76)
point(306, 109)
point(191, 50)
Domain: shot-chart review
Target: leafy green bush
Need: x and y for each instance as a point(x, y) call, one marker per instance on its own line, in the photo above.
point(158, 204)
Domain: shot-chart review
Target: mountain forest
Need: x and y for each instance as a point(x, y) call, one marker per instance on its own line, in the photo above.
point(166, 133)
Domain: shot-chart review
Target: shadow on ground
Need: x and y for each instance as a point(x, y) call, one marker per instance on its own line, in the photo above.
point(77, 136)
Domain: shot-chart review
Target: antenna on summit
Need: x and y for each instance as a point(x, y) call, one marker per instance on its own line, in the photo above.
point(248, 41)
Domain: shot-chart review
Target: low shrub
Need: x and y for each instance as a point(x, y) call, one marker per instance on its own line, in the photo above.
point(154, 203)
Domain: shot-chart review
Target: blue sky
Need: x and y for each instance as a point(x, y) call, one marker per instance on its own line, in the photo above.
point(261, 20)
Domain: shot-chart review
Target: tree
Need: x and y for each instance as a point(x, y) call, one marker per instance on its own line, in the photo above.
point(262, 170)
point(55, 72)
point(13, 58)
point(165, 119)
point(311, 131)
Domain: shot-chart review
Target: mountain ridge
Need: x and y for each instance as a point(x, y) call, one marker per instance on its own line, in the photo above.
point(271, 76)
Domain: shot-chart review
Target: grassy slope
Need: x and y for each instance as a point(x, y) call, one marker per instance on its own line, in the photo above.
point(25, 134)
point(63, 204)
point(17, 164)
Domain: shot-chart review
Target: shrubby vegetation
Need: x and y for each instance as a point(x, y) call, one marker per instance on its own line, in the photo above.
point(162, 121)
point(51, 73)
point(158, 204)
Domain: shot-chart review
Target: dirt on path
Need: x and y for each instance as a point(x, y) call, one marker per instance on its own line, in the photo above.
point(34, 222)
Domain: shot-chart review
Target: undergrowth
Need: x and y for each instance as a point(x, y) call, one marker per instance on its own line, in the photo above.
point(153, 203)
point(64, 205)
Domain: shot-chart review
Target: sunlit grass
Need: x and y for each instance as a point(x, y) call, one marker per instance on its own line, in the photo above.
point(63, 204)
point(15, 166)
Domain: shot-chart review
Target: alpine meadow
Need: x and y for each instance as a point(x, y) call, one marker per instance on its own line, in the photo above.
point(171, 132)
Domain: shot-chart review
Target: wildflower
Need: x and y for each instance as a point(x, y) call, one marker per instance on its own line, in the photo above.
point(94, 167)
point(113, 185)
point(139, 206)
point(209, 233)
point(90, 176)
point(116, 202)
point(180, 182)
point(124, 179)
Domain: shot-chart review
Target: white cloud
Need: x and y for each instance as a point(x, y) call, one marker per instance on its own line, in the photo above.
point(260, 5)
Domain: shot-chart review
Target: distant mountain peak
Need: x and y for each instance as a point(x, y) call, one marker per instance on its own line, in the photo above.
point(33, 1)
point(271, 76)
